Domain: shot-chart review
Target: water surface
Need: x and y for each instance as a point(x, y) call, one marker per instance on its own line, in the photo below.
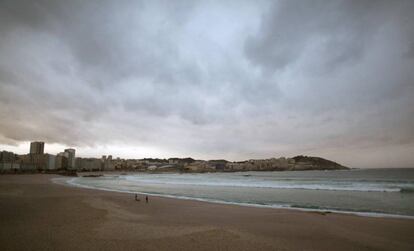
point(366, 191)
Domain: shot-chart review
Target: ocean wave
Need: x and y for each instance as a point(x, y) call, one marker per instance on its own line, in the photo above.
point(332, 186)
point(310, 208)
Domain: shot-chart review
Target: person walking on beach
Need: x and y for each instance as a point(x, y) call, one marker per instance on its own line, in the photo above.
point(146, 198)
point(136, 197)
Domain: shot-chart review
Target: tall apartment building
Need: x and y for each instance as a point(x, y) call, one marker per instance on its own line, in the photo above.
point(37, 147)
point(71, 158)
point(61, 160)
point(8, 162)
point(107, 164)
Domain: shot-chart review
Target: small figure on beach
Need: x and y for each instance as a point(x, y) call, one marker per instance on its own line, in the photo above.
point(146, 198)
point(136, 197)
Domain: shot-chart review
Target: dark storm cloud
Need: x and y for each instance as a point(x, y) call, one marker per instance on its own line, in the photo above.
point(211, 79)
point(97, 58)
point(344, 28)
point(351, 52)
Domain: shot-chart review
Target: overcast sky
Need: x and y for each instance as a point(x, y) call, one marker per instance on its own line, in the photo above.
point(210, 79)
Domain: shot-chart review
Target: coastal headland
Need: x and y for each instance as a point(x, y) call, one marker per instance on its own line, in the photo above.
point(37, 214)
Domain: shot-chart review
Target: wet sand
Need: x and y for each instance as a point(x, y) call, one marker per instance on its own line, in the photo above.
point(36, 214)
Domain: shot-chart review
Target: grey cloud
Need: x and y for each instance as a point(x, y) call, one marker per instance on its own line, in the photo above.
point(343, 28)
point(312, 76)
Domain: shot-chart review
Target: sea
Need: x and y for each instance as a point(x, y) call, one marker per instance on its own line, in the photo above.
point(385, 192)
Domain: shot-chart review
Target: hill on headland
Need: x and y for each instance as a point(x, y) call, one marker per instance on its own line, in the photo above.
point(315, 163)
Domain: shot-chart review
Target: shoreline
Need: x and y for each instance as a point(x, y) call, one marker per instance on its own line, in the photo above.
point(53, 216)
point(276, 207)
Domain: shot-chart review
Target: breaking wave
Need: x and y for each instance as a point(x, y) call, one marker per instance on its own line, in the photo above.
point(276, 184)
point(311, 208)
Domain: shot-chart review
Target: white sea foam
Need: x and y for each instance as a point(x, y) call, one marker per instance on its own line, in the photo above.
point(249, 182)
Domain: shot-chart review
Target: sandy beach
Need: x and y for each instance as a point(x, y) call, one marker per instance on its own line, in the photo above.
point(36, 214)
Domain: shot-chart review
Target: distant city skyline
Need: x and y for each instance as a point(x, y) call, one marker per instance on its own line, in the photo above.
point(231, 80)
point(39, 161)
point(56, 149)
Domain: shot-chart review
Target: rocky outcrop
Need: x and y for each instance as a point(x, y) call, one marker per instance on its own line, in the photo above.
point(315, 163)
